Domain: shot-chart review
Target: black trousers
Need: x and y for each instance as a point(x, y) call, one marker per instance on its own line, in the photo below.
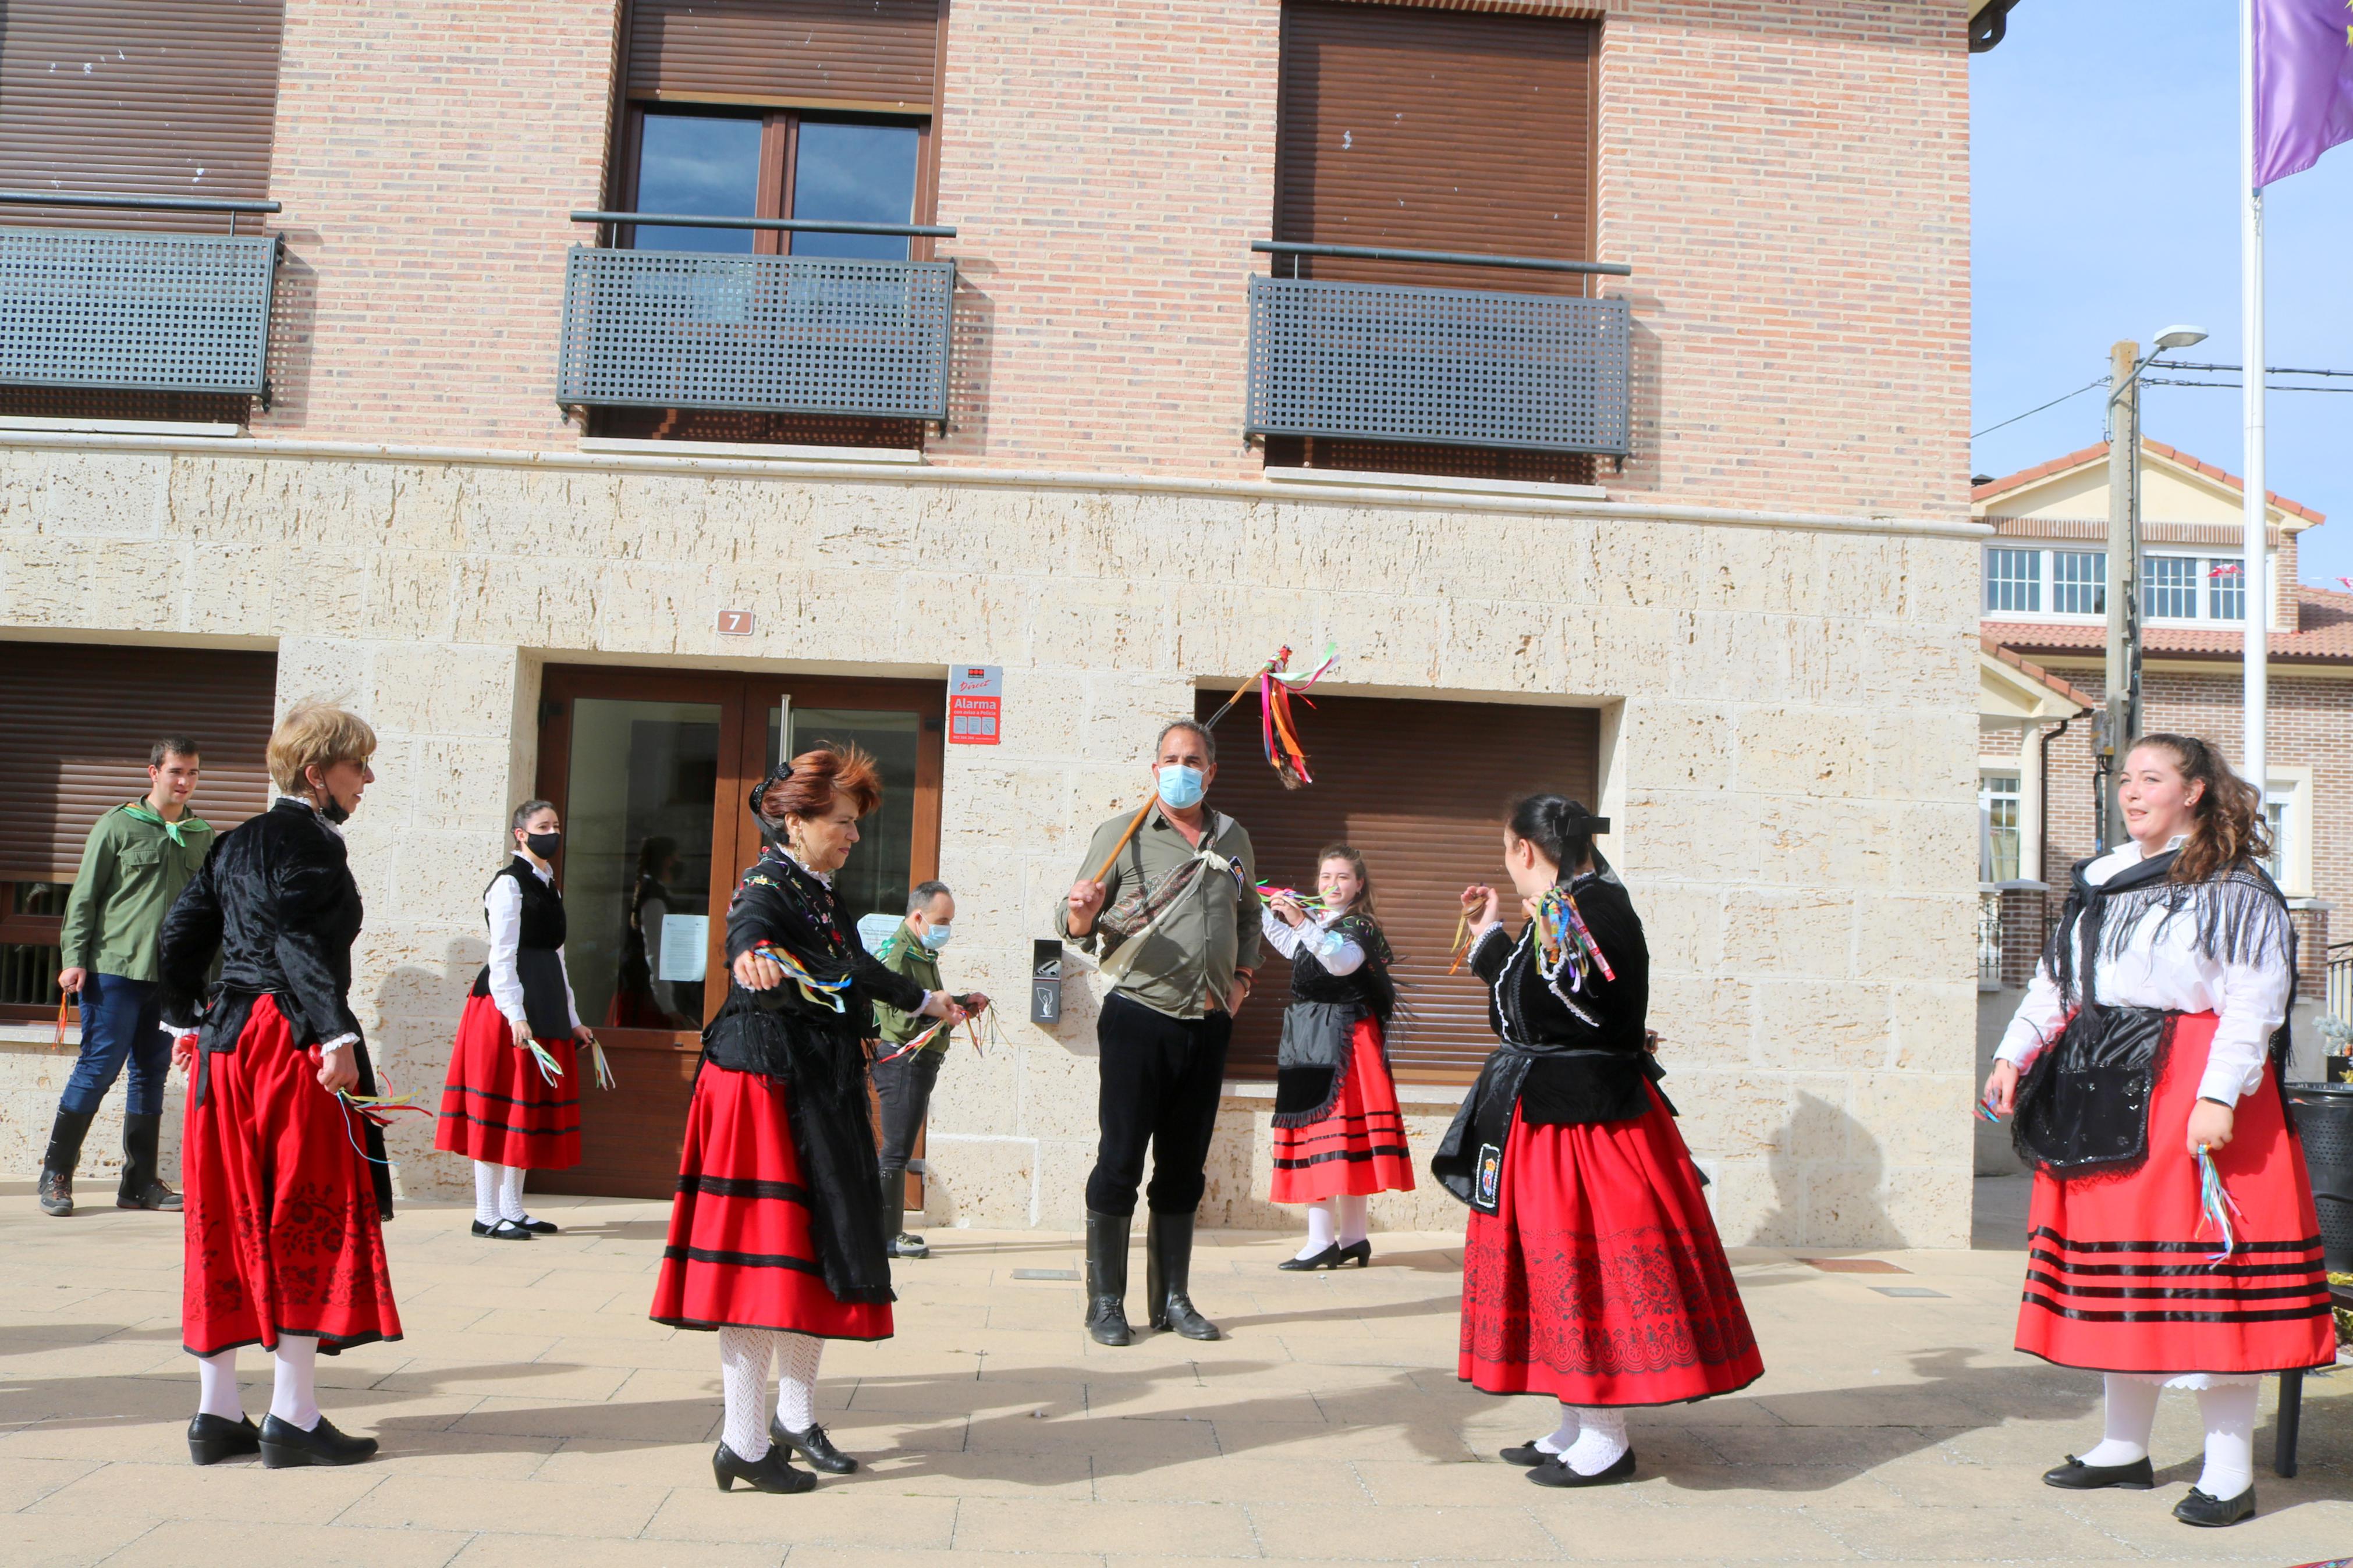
point(904, 1088)
point(1161, 1077)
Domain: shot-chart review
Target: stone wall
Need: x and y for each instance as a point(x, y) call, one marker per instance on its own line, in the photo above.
point(1792, 714)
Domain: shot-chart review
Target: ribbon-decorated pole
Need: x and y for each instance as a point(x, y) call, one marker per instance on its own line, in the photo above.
point(1269, 667)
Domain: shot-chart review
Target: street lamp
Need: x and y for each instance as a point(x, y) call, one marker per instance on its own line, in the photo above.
point(2120, 723)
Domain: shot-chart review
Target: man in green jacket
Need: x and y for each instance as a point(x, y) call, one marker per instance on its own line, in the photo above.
point(140, 855)
point(903, 1079)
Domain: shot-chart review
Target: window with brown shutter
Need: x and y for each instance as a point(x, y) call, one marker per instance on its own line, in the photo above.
point(1422, 789)
point(80, 719)
point(1419, 129)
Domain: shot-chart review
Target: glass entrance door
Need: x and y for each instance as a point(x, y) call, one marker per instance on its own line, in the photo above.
point(650, 770)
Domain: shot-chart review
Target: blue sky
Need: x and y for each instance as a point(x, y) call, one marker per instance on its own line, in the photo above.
point(2105, 156)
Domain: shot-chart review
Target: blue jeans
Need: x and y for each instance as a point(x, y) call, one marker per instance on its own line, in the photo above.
point(120, 1018)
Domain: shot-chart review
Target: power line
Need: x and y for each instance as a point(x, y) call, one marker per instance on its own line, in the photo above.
point(2032, 412)
point(2241, 370)
point(2238, 386)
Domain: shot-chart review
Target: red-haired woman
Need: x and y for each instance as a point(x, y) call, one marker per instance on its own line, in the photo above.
point(1338, 1136)
point(2156, 1027)
point(775, 1239)
point(287, 1185)
point(1591, 1269)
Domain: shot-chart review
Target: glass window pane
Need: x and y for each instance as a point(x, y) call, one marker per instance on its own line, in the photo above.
point(2079, 582)
point(2226, 590)
point(636, 851)
point(1998, 800)
point(876, 877)
point(2169, 587)
point(703, 164)
point(2014, 580)
point(854, 173)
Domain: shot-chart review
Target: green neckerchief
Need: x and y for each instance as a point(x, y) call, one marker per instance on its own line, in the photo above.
point(177, 831)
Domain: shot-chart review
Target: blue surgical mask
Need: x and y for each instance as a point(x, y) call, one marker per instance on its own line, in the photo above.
point(1181, 786)
point(935, 937)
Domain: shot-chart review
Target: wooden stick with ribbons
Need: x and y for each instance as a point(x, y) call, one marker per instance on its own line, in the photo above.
point(1282, 656)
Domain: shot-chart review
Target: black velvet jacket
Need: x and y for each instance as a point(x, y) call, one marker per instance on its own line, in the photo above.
point(276, 901)
point(1573, 1047)
point(819, 1054)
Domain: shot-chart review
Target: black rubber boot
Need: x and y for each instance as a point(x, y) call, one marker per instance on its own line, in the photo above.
point(1168, 1283)
point(1107, 1236)
point(57, 1165)
point(142, 1186)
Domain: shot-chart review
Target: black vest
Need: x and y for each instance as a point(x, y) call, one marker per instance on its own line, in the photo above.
point(545, 998)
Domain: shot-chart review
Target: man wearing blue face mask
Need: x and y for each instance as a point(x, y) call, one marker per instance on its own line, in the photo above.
point(1176, 923)
point(903, 1078)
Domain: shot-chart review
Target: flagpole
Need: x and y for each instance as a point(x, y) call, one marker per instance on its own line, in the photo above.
point(2256, 646)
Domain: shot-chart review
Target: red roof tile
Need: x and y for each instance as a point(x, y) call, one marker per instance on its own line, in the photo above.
point(2099, 453)
point(2326, 636)
point(2036, 672)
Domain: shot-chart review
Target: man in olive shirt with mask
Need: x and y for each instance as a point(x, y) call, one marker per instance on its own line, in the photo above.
point(1176, 920)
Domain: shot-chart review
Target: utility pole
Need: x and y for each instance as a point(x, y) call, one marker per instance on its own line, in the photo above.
point(2120, 723)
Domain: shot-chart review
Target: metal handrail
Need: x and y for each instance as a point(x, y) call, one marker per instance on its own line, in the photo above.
point(788, 225)
point(152, 204)
point(1449, 257)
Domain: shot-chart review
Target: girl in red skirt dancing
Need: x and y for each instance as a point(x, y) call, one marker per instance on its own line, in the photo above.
point(1591, 1270)
point(1338, 1137)
point(2156, 1028)
point(286, 1185)
point(505, 1106)
point(775, 1239)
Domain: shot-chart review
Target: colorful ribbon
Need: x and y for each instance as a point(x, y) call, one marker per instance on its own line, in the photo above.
point(2216, 1207)
point(540, 1054)
point(604, 1078)
point(1461, 948)
point(1276, 686)
point(917, 1044)
point(1559, 926)
point(816, 990)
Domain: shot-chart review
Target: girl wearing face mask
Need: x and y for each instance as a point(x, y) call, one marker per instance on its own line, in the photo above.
point(2156, 1026)
point(1338, 1137)
point(1591, 1270)
point(505, 1106)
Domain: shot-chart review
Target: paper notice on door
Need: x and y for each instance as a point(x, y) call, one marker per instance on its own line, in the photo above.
point(685, 947)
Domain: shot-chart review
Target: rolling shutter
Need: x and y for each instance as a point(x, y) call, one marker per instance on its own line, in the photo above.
point(1430, 130)
point(80, 719)
point(876, 54)
point(137, 98)
point(1422, 789)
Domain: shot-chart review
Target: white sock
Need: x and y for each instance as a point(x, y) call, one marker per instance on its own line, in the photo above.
point(1559, 1438)
point(1352, 1220)
point(486, 1192)
point(2229, 1412)
point(511, 1193)
point(744, 1383)
point(1600, 1440)
point(2132, 1413)
point(216, 1393)
point(294, 1397)
point(796, 1359)
point(1319, 1228)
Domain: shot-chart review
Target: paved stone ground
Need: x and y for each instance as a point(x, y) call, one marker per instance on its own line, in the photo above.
point(535, 1417)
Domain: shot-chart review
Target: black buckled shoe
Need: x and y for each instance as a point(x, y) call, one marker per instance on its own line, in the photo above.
point(211, 1438)
point(1554, 1472)
point(1107, 1236)
point(2076, 1475)
point(1527, 1456)
point(505, 1230)
point(284, 1445)
point(813, 1445)
point(1168, 1268)
point(771, 1472)
point(2213, 1512)
point(537, 1227)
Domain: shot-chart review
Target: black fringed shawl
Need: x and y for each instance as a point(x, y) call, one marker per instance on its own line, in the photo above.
point(1313, 1061)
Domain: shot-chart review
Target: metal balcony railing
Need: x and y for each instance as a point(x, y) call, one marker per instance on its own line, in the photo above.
point(1459, 367)
point(122, 311)
point(786, 334)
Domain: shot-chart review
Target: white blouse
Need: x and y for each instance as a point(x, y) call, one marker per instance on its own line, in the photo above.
point(503, 903)
point(2159, 966)
point(1339, 954)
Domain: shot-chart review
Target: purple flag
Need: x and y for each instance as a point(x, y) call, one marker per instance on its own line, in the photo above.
point(2304, 83)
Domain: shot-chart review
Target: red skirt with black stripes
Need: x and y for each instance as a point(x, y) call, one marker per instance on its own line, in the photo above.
point(1356, 1149)
point(2122, 1275)
point(497, 1104)
point(740, 1255)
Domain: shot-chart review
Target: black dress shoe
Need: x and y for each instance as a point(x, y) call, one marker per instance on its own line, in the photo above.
point(1359, 1253)
point(1527, 1454)
point(771, 1472)
point(211, 1438)
point(505, 1230)
point(536, 1227)
point(813, 1445)
point(1555, 1473)
point(155, 1196)
point(2213, 1512)
point(1327, 1259)
point(283, 1444)
point(2076, 1475)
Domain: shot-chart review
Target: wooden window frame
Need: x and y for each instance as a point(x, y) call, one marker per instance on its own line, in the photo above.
point(27, 930)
